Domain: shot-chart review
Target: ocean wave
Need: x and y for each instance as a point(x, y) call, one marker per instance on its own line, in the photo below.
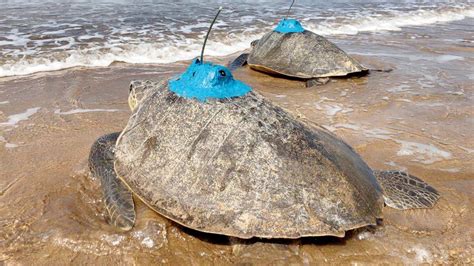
point(393, 22)
point(187, 45)
point(146, 53)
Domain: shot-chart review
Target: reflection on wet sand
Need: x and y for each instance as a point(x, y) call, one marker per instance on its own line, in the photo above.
point(417, 117)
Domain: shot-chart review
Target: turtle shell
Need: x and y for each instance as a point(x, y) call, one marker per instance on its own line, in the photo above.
point(243, 167)
point(303, 55)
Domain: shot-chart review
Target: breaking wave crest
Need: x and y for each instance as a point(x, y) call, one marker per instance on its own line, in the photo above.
point(54, 50)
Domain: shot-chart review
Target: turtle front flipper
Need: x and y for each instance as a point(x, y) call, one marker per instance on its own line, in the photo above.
point(118, 198)
point(316, 82)
point(254, 43)
point(403, 191)
point(240, 61)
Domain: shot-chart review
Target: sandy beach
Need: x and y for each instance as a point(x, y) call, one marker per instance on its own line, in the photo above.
point(417, 117)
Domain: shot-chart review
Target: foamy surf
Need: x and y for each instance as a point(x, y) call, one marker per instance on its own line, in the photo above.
point(81, 111)
point(147, 53)
point(129, 34)
point(417, 152)
point(13, 120)
point(7, 144)
point(393, 22)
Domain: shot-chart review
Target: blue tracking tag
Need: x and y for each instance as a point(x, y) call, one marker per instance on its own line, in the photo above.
point(289, 26)
point(203, 81)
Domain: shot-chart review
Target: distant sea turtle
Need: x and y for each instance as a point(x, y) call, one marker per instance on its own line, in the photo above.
point(292, 51)
point(207, 152)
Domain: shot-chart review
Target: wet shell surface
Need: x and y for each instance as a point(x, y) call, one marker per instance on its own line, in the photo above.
point(302, 55)
point(243, 167)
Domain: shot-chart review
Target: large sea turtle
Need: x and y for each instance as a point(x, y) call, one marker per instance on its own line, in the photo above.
point(207, 152)
point(242, 167)
point(290, 50)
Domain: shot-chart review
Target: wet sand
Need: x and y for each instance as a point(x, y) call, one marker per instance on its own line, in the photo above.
point(418, 117)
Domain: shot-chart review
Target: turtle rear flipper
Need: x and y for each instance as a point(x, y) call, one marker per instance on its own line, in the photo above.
point(118, 198)
point(403, 191)
point(384, 70)
point(240, 61)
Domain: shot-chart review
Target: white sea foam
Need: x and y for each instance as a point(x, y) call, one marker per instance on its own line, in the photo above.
point(15, 38)
point(16, 118)
point(378, 133)
point(329, 127)
point(404, 100)
point(88, 37)
point(113, 240)
point(332, 109)
point(466, 149)
point(11, 145)
point(365, 235)
point(372, 132)
point(189, 28)
point(54, 32)
point(7, 144)
point(79, 111)
point(392, 23)
point(450, 170)
point(174, 43)
point(422, 255)
point(347, 126)
point(439, 59)
point(152, 236)
point(400, 88)
point(396, 166)
point(81, 246)
point(145, 240)
point(447, 58)
point(5, 102)
point(146, 53)
point(148, 242)
point(424, 153)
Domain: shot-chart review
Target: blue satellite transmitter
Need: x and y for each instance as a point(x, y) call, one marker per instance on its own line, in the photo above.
point(288, 25)
point(205, 80)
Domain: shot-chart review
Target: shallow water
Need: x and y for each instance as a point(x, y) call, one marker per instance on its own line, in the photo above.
point(417, 117)
point(43, 36)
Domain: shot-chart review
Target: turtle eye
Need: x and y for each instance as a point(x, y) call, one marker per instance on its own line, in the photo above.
point(222, 72)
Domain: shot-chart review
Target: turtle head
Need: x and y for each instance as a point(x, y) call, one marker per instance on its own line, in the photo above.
point(254, 43)
point(204, 80)
point(136, 93)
